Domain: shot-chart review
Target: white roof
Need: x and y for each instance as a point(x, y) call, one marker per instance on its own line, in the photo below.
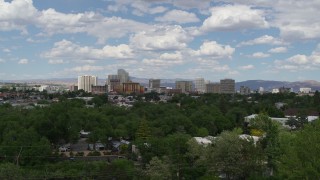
point(203, 140)
point(312, 118)
point(248, 137)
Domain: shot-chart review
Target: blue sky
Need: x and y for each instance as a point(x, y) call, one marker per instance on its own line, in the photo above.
point(239, 39)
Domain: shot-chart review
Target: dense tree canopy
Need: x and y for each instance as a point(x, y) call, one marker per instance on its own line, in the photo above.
point(163, 134)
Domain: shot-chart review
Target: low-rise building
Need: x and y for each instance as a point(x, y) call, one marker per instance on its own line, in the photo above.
point(132, 87)
point(305, 90)
point(99, 89)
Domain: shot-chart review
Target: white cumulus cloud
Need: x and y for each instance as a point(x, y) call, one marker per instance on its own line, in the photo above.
point(178, 16)
point(247, 67)
point(161, 38)
point(165, 59)
point(67, 50)
point(278, 50)
point(85, 68)
point(259, 55)
point(301, 61)
point(265, 39)
point(215, 50)
point(234, 18)
point(23, 61)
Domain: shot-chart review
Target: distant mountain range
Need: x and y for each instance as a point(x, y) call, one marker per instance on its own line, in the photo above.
point(269, 85)
point(252, 84)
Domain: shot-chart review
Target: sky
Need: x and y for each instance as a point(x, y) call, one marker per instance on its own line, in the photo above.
point(213, 39)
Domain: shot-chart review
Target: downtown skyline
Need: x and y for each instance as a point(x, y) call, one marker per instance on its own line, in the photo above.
point(239, 39)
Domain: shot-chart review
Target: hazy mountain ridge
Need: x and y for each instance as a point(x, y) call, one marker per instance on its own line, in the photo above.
point(269, 85)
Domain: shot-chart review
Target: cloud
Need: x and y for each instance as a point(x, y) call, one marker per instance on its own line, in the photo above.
point(161, 38)
point(23, 61)
point(56, 61)
point(2, 60)
point(52, 22)
point(190, 4)
point(265, 39)
point(296, 19)
point(67, 50)
point(85, 68)
point(6, 50)
point(259, 55)
point(234, 18)
point(11, 17)
point(278, 50)
point(178, 16)
point(300, 61)
point(165, 59)
point(146, 6)
point(139, 7)
point(93, 24)
point(215, 50)
point(247, 67)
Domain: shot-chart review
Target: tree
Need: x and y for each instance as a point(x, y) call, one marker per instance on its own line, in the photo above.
point(158, 169)
point(300, 159)
point(234, 157)
point(270, 143)
point(121, 169)
point(10, 171)
point(143, 131)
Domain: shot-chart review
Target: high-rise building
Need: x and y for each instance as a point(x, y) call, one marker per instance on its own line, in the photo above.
point(244, 90)
point(200, 85)
point(185, 86)
point(213, 88)
point(86, 82)
point(113, 83)
point(154, 83)
point(227, 86)
point(123, 76)
point(261, 90)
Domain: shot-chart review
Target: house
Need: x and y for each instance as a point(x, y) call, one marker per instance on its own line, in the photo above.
point(205, 141)
point(282, 121)
point(115, 145)
point(84, 134)
point(98, 146)
point(248, 138)
point(279, 105)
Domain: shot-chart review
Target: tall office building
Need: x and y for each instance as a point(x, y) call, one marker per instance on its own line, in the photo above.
point(123, 76)
point(86, 82)
point(227, 86)
point(113, 83)
point(154, 83)
point(185, 86)
point(213, 88)
point(200, 85)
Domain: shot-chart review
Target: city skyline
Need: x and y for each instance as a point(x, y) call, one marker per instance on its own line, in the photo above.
point(242, 40)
